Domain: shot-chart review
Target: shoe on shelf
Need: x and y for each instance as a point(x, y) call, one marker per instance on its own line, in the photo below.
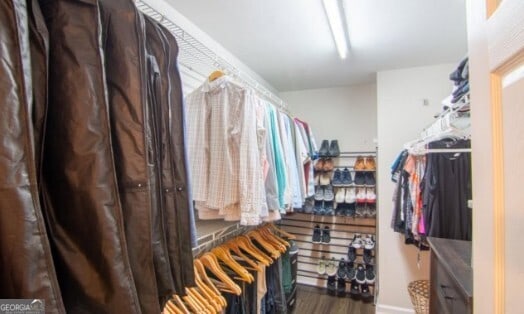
point(369, 179)
point(309, 204)
point(334, 150)
point(325, 179)
point(340, 210)
point(352, 253)
point(370, 163)
point(371, 197)
point(366, 295)
point(331, 267)
point(361, 195)
point(326, 236)
point(332, 285)
point(317, 179)
point(341, 287)
point(316, 234)
point(319, 193)
point(340, 196)
point(341, 271)
point(324, 149)
point(369, 242)
point(351, 196)
point(360, 211)
point(370, 274)
point(319, 164)
point(337, 178)
point(360, 164)
point(360, 178)
point(372, 210)
point(351, 210)
point(357, 242)
point(360, 275)
point(319, 208)
point(346, 177)
point(328, 208)
point(328, 193)
point(367, 257)
point(350, 271)
point(329, 165)
point(321, 266)
point(354, 293)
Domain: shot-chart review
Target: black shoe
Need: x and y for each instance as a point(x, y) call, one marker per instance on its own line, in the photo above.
point(352, 253)
point(360, 178)
point(370, 274)
point(328, 209)
point(334, 150)
point(360, 275)
point(341, 287)
point(316, 234)
point(331, 285)
point(341, 272)
point(369, 179)
point(326, 237)
point(354, 293)
point(366, 294)
point(368, 256)
point(324, 149)
point(319, 208)
point(350, 271)
point(351, 210)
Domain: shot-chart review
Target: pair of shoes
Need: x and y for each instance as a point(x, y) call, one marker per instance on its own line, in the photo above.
point(360, 211)
point(366, 195)
point(324, 193)
point(345, 195)
point(324, 207)
point(364, 178)
point(365, 163)
point(309, 204)
point(328, 149)
point(321, 236)
point(324, 164)
point(357, 241)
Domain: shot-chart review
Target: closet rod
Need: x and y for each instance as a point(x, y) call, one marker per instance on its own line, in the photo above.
point(193, 50)
point(446, 150)
point(358, 153)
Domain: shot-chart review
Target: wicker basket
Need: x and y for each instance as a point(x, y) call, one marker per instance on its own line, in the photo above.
point(419, 293)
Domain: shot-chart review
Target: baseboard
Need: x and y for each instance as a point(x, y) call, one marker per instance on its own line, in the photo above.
point(388, 309)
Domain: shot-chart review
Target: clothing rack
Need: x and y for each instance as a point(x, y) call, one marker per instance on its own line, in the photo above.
point(198, 58)
point(217, 237)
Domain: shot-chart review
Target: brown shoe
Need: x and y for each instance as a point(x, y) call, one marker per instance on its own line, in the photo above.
point(319, 164)
point(329, 165)
point(370, 163)
point(360, 163)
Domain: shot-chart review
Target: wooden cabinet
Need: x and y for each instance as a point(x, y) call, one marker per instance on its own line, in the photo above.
point(451, 288)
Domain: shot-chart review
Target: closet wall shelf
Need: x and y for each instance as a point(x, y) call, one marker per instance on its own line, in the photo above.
point(199, 58)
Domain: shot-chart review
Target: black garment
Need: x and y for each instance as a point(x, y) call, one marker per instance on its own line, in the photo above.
point(125, 64)
point(275, 297)
point(82, 199)
point(178, 219)
point(26, 264)
point(447, 189)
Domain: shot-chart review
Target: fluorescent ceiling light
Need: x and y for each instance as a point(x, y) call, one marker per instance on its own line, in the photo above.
point(336, 22)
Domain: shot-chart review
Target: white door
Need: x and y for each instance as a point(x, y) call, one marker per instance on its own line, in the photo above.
point(496, 50)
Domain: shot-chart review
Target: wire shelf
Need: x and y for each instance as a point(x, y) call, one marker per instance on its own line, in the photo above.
point(198, 58)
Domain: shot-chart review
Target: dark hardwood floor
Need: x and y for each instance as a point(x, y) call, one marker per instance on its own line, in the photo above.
point(316, 301)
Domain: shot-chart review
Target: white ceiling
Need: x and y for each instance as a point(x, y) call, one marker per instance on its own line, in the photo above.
point(288, 42)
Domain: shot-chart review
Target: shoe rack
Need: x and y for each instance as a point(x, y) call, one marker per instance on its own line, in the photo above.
point(344, 222)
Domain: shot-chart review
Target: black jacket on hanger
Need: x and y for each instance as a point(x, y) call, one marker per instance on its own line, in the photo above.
point(26, 265)
point(82, 197)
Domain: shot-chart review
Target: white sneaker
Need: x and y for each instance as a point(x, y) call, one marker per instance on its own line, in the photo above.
point(339, 197)
point(369, 243)
point(371, 197)
point(325, 178)
point(350, 195)
point(319, 193)
point(357, 242)
point(361, 195)
point(321, 267)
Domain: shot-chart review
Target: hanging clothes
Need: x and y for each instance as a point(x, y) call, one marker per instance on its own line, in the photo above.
point(26, 265)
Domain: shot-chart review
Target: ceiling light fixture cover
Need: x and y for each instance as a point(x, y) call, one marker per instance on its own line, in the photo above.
point(336, 23)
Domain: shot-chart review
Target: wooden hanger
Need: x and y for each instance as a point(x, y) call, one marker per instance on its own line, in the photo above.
point(271, 237)
point(225, 256)
point(207, 292)
point(199, 268)
point(203, 302)
point(180, 304)
point(233, 246)
point(215, 74)
point(275, 253)
point(242, 246)
point(210, 261)
point(247, 242)
point(172, 308)
point(285, 234)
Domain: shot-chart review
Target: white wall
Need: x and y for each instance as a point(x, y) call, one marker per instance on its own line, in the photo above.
point(348, 114)
point(401, 116)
